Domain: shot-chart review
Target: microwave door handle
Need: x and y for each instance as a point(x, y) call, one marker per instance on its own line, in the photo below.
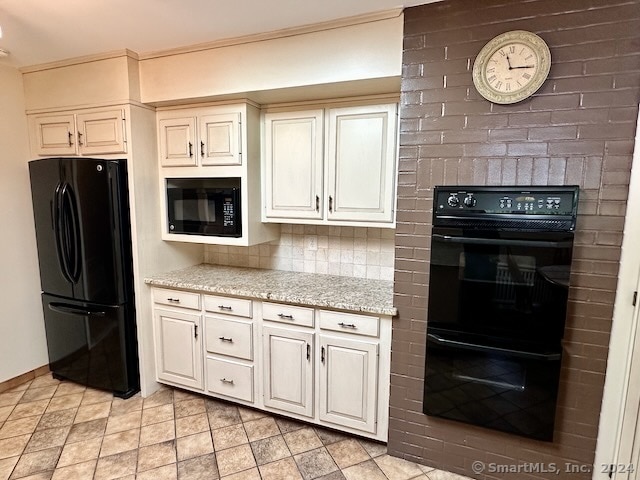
point(487, 349)
point(499, 241)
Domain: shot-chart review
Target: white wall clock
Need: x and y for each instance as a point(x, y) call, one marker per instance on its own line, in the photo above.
point(511, 67)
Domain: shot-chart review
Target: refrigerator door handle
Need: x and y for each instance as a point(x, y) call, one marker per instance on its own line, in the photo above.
point(58, 211)
point(71, 310)
point(72, 228)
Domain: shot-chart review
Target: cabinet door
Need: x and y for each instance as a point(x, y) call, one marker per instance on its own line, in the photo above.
point(288, 370)
point(178, 142)
point(101, 132)
point(362, 152)
point(294, 163)
point(55, 135)
point(348, 382)
point(220, 140)
point(178, 348)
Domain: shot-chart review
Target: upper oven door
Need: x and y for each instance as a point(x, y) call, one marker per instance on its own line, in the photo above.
point(504, 284)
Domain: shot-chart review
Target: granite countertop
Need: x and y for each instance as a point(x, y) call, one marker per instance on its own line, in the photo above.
point(316, 290)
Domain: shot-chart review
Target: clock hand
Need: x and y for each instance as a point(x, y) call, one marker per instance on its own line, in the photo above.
point(524, 66)
point(509, 62)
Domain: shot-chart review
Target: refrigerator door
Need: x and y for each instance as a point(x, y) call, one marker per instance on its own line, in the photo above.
point(91, 344)
point(46, 187)
point(82, 228)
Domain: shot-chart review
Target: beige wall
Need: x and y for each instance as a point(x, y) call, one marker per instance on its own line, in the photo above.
point(22, 339)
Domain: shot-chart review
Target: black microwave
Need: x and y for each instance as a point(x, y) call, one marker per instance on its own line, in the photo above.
point(204, 206)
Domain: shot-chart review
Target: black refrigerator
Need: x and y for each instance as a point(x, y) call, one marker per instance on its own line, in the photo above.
point(83, 233)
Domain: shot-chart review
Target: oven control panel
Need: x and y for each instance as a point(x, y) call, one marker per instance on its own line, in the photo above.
point(503, 200)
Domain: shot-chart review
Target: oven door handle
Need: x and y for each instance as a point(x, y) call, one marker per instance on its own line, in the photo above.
point(484, 348)
point(500, 241)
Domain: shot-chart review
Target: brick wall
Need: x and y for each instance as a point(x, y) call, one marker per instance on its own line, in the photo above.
point(577, 129)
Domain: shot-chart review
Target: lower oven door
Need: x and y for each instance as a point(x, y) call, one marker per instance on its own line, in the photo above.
point(495, 386)
point(512, 285)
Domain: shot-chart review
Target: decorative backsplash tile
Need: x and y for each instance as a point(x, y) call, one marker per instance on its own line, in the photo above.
point(344, 251)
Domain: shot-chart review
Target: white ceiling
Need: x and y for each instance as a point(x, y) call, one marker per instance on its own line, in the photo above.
point(42, 31)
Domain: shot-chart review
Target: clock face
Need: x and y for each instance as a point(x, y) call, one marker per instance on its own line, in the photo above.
point(511, 67)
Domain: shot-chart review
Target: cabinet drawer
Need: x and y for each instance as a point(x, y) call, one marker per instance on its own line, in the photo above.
point(349, 323)
point(229, 337)
point(289, 314)
point(239, 307)
point(176, 298)
point(231, 379)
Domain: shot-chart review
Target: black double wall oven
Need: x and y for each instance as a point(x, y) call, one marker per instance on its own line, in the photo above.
point(498, 288)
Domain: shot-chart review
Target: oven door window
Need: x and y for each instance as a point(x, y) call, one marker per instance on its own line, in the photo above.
point(503, 284)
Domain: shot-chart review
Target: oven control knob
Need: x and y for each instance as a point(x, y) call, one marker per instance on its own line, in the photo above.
point(453, 201)
point(470, 202)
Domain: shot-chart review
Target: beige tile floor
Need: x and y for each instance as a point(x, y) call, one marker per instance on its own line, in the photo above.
point(51, 430)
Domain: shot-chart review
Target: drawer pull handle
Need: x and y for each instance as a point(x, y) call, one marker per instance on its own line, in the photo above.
point(173, 300)
point(224, 380)
point(224, 307)
point(347, 325)
point(308, 352)
point(195, 331)
point(224, 339)
point(288, 317)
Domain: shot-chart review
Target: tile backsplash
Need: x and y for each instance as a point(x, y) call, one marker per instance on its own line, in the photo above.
point(345, 251)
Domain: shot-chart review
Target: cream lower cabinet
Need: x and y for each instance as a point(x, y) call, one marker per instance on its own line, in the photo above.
point(178, 347)
point(288, 370)
point(321, 366)
point(348, 382)
point(229, 347)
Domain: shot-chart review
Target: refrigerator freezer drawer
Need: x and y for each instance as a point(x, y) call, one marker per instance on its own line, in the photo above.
point(92, 344)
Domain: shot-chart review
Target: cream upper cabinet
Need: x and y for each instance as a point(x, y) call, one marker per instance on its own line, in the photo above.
point(294, 165)
point(361, 163)
point(86, 132)
point(220, 140)
point(177, 142)
point(207, 136)
point(334, 167)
